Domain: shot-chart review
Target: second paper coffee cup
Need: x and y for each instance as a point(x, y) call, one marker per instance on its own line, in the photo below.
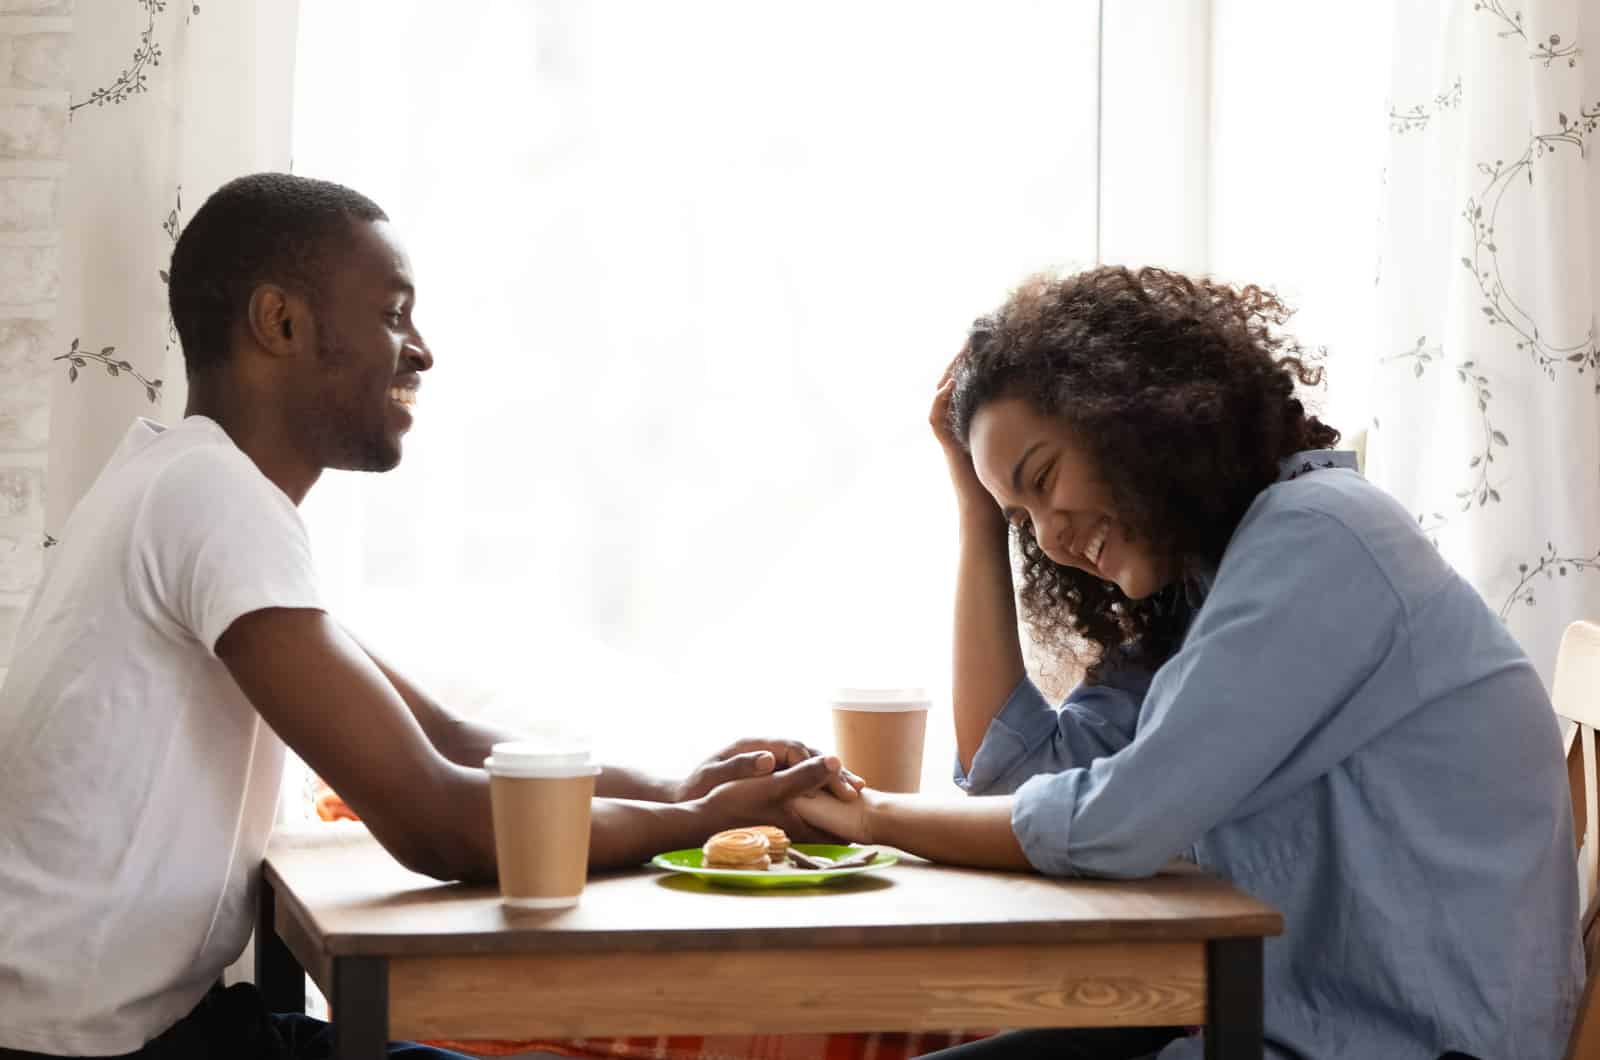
point(878, 734)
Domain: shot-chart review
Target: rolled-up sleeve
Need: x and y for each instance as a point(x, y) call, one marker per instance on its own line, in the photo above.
point(1300, 617)
point(1029, 736)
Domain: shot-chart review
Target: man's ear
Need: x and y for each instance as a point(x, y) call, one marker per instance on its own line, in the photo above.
point(279, 321)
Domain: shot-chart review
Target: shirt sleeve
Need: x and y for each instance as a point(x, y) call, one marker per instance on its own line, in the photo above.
point(1029, 737)
point(1299, 618)
point(219, 540)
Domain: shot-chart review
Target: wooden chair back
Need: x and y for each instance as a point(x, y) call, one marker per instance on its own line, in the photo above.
point(1577, 699)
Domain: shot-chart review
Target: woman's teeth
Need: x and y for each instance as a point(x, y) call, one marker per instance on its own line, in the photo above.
point(402, 395)
point(1097, 543)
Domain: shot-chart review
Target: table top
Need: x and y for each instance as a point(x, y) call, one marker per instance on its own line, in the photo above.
point(352, 898)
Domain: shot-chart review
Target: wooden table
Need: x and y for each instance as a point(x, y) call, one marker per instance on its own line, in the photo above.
point(913, 947)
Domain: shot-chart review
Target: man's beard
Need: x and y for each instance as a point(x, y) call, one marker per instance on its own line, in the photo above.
point(348, 439)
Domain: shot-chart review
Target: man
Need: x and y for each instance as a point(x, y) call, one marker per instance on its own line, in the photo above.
point(137, 780)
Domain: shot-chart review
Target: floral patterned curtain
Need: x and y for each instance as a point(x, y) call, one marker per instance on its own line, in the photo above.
point(1487, 402)
point(169, 99)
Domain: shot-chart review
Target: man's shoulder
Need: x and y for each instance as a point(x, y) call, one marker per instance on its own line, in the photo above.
point(198, 459)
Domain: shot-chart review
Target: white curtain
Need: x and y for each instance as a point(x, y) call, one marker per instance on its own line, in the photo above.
point(1487, 413)
point(168, 100)
point(118, 117)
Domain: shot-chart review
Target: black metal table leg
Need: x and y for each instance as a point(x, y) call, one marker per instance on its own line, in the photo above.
point(360, 1004)
point(279, 977)
point(1234, 999)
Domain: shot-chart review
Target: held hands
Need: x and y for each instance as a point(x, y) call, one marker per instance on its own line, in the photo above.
point(848, 820)
point(757, 758)
point(770, 798)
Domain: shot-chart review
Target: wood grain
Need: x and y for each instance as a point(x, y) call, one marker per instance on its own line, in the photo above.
point(814, 990)
point(348, 897)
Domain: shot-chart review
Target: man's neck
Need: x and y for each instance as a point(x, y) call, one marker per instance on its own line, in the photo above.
point(266, 441)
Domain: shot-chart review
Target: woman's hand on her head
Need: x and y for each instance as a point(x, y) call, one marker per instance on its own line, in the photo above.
point(970, 493)
point(756, 757)
point(848, 821)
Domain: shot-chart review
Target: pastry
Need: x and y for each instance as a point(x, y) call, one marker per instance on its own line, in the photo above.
point(777, 840)
point(737, 848)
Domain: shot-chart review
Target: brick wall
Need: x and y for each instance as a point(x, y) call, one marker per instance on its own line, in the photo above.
point(34, 35)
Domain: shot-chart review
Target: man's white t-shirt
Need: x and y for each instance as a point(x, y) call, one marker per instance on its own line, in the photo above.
point(137, 783)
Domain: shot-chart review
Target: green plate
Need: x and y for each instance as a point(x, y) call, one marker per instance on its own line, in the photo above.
point(692, 862)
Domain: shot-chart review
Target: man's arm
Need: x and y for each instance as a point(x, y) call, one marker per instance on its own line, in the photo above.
point(330, 703)
point(327, 699)
point(467, 743)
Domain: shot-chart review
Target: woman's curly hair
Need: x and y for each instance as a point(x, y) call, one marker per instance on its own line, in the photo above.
point(1181, 392)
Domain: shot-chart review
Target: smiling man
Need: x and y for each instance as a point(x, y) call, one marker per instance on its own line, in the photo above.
point(179, 642)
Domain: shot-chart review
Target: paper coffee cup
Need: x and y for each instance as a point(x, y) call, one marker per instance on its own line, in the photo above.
point(540, 792)
point(878, 734)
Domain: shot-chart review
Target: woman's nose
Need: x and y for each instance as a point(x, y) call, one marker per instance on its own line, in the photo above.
point(1055, 532)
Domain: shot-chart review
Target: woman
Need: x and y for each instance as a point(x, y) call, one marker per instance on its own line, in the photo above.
point(1283, 680)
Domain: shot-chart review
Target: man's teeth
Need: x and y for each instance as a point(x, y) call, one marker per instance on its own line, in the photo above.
point(1097, 542)
point(403, 395)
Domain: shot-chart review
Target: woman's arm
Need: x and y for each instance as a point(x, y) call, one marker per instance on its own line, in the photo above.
point(1294, 662)
point(1027, 737)
point(987, 652)
point(954, 831)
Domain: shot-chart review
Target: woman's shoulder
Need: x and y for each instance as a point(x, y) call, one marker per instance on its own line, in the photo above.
point(1343, 496)
point(1337, 516)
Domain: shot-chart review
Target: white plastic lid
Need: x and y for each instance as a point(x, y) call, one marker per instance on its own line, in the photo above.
point(881, 699)
point(538, 759)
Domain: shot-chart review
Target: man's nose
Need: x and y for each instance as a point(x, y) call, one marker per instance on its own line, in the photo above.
point(418, 353)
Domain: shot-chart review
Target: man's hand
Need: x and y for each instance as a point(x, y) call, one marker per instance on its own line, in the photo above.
point(756, 758)
point(769, 799)
point(850, 821)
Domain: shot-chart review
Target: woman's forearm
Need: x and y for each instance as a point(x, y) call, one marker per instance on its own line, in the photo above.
point(987, 652)
point(973, 831)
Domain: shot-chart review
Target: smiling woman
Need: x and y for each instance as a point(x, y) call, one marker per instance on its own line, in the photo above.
point(1125, 421)
point(1277, 684)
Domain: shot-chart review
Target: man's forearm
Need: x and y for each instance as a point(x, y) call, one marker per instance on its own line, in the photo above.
point(468, 743)
point(622, 782)
point(625, 832)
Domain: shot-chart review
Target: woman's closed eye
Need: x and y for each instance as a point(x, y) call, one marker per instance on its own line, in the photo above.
point(1041, 480)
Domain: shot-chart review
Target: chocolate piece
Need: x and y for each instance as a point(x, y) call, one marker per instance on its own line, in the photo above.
point(859, 858)
point(809, 861)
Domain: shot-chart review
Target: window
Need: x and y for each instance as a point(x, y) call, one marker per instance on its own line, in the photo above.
point(690, 272)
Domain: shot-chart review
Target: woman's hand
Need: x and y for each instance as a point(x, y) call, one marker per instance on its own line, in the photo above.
point(770, 799)
point(849, 821)
point(756, 758)
point(970, 494)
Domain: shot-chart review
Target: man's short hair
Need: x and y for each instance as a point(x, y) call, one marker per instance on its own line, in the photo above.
point(263, 228)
